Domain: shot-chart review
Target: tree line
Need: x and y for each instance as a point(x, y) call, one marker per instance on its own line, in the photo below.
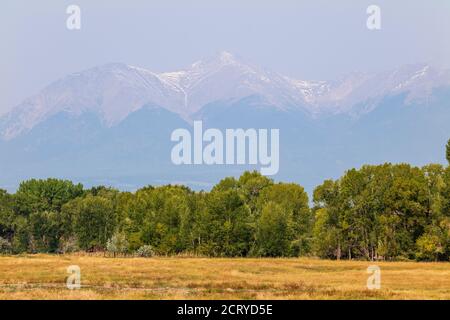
point(378, 212)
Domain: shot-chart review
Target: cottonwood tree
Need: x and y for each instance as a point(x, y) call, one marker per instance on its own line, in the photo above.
point(293, 200)
point(274, 231)
point(95, 222)
point(41, 195)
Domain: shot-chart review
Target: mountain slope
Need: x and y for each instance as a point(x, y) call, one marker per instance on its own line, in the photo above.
point(112, 124)
point(113, 91)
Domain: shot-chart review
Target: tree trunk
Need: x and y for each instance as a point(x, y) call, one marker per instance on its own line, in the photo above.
point(338, 253)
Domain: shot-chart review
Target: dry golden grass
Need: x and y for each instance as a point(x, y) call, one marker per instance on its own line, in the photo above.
point(44, 277)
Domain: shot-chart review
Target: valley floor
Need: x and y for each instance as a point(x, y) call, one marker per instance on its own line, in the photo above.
point(44, 277)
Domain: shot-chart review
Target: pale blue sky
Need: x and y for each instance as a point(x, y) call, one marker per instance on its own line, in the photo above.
point(313, 39)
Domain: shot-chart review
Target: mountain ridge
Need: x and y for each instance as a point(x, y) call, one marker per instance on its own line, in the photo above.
point(115, 90)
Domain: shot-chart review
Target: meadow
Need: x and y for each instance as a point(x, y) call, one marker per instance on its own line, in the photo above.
point(44, 276)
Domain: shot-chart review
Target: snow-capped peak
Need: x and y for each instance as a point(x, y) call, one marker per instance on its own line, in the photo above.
point(114, 90)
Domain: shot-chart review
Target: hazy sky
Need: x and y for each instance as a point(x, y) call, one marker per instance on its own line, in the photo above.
point(313, 39)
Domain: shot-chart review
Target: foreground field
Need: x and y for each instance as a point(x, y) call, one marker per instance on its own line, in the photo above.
point(44, 277)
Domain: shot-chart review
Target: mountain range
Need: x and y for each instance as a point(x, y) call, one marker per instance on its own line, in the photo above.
point(111, 124)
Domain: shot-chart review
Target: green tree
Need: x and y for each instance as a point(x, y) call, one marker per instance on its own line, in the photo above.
point(430, 245)
point(6, 215)
point(228, 229)
point(22, 236)
point(251, 184)
point(328, 242)
point(293, 200)
point(327, 235)
point(274, 231)
point(45, 195)
point(160, 217)
point(44, 230)
point(95, 222)
point(377, 211)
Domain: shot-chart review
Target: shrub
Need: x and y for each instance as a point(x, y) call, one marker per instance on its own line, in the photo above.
point(117, 244)
point(429, 247)
point(5, 246)
point(68, 245)
point(146, 251)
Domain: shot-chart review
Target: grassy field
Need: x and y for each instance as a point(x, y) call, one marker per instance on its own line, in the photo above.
point(44, 277)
